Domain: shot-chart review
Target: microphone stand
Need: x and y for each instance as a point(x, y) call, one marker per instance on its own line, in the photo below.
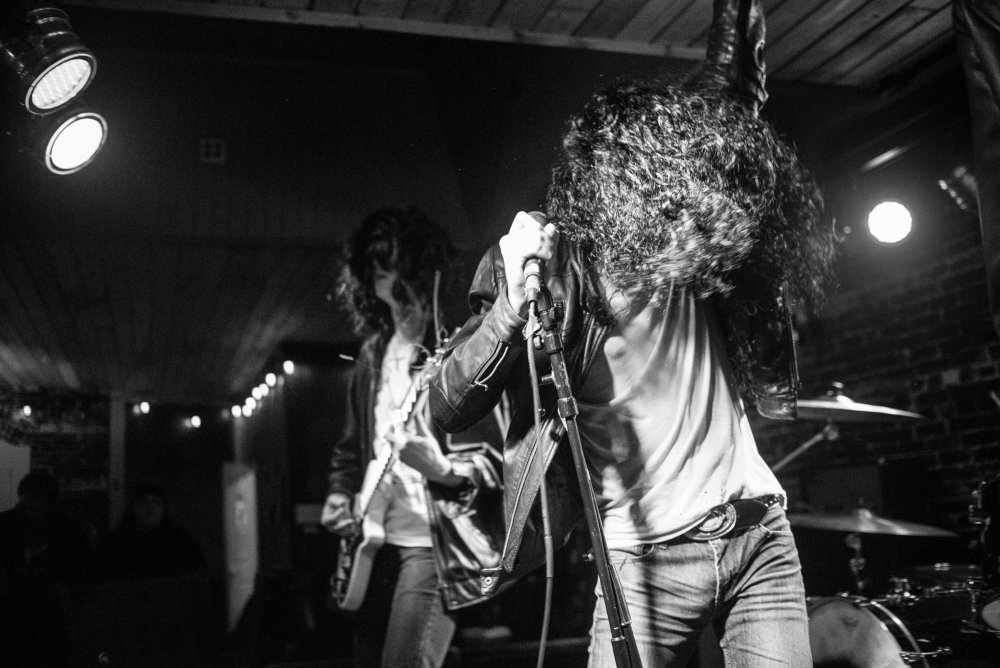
point(622, 639)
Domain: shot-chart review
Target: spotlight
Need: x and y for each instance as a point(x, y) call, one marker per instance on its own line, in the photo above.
point(68, 141)
point(45, 64)
point(890, 222)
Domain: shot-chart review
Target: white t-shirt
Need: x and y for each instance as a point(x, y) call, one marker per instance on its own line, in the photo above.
point(664, 430)
point(406, 520)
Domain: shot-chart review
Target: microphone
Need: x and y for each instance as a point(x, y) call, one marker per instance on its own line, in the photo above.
point(533, 268)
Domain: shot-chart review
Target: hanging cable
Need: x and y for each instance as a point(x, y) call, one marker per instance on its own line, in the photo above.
point(533, 330)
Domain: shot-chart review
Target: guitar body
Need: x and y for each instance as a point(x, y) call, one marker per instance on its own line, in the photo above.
point(357, 551)
point(349, 582)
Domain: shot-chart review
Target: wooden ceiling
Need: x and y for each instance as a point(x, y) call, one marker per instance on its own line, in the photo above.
point(197, 315)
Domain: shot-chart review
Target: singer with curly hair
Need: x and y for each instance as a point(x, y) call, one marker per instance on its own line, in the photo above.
point(679, 230)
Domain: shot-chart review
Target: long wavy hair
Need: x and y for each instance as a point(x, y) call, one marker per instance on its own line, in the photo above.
point(664, 187)
point(400, 237)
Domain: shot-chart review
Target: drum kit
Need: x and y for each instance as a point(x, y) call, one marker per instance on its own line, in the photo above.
point(931, 615)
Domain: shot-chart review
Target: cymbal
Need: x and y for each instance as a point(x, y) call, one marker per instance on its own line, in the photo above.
point(841, 408)
point(862, 520)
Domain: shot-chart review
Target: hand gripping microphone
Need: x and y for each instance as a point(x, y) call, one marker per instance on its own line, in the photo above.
point(533, 268)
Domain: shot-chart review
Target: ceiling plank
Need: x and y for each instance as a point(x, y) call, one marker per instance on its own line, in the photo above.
point(422, 28)
point(519, 14)
point(649, 18)
point(839, 36)
point(474, 12)
point(37, 271)
point(695, 19)
point(565, 16)
point(908, 47)
point(429, 10)
point(795, 26)
point(383, 8)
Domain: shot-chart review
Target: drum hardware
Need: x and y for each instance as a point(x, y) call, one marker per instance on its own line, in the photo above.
point(857, 631)
point(835, 407)
point(857, 562)
point(936, 594)
point(990, 616)
point(986, 503)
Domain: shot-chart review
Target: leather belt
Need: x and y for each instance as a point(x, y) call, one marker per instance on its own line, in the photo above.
point(726, 518)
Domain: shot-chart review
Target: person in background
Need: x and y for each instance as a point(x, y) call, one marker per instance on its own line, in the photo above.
point(148, 543)
point(437, 492)
point(41, 548)
point(680, 228)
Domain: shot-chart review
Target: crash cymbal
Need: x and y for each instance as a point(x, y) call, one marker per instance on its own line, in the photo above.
point(835, 406)
point(862, 520)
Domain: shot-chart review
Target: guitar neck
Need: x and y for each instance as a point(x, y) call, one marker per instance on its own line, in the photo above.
point(386, 457)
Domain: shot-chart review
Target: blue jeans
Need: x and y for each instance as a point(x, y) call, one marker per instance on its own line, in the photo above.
point(402, 621)
point(748, 586)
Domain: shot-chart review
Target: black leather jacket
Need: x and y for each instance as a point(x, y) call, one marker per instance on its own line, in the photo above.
point(466, 523)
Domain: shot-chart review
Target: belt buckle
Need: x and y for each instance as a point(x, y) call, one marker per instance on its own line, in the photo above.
point(720, 520)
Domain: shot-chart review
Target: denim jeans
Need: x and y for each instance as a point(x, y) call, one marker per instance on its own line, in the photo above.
point(748, 586)
point(402, 621)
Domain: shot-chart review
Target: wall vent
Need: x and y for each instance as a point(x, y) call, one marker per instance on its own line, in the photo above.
point(212, 151)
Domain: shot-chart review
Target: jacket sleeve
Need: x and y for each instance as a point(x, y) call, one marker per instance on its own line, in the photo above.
point(347, 460)
point(481, 356)
point(734, 59)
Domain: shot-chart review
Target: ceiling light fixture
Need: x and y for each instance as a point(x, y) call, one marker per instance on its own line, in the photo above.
point(44, 63)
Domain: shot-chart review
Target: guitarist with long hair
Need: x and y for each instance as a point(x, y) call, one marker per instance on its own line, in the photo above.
point(418, 512)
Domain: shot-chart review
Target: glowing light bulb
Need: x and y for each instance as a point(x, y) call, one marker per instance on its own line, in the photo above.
point(890, 222)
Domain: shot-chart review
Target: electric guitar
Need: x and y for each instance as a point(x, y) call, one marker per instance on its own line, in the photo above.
point(349, 581)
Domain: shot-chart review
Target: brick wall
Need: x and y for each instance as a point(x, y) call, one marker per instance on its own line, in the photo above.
point(909, 329)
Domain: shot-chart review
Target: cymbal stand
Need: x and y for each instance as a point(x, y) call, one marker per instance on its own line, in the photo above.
point(828, 433)
point(622, 639)
point(857, 562)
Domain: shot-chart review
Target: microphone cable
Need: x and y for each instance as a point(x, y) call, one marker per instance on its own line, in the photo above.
point(533, 330)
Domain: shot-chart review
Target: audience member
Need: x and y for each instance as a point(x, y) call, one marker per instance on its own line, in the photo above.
point(148, 542)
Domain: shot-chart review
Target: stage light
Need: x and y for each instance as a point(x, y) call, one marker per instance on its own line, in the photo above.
point(271, 380)
point(144, 407)
point(890, 222)
point(236, 411)
point(45, 64)
point(289, 367)
point(71, 142)
point(195, 421)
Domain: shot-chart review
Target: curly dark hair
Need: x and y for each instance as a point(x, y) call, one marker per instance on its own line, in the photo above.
point(397, 237)
point(663, 186)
